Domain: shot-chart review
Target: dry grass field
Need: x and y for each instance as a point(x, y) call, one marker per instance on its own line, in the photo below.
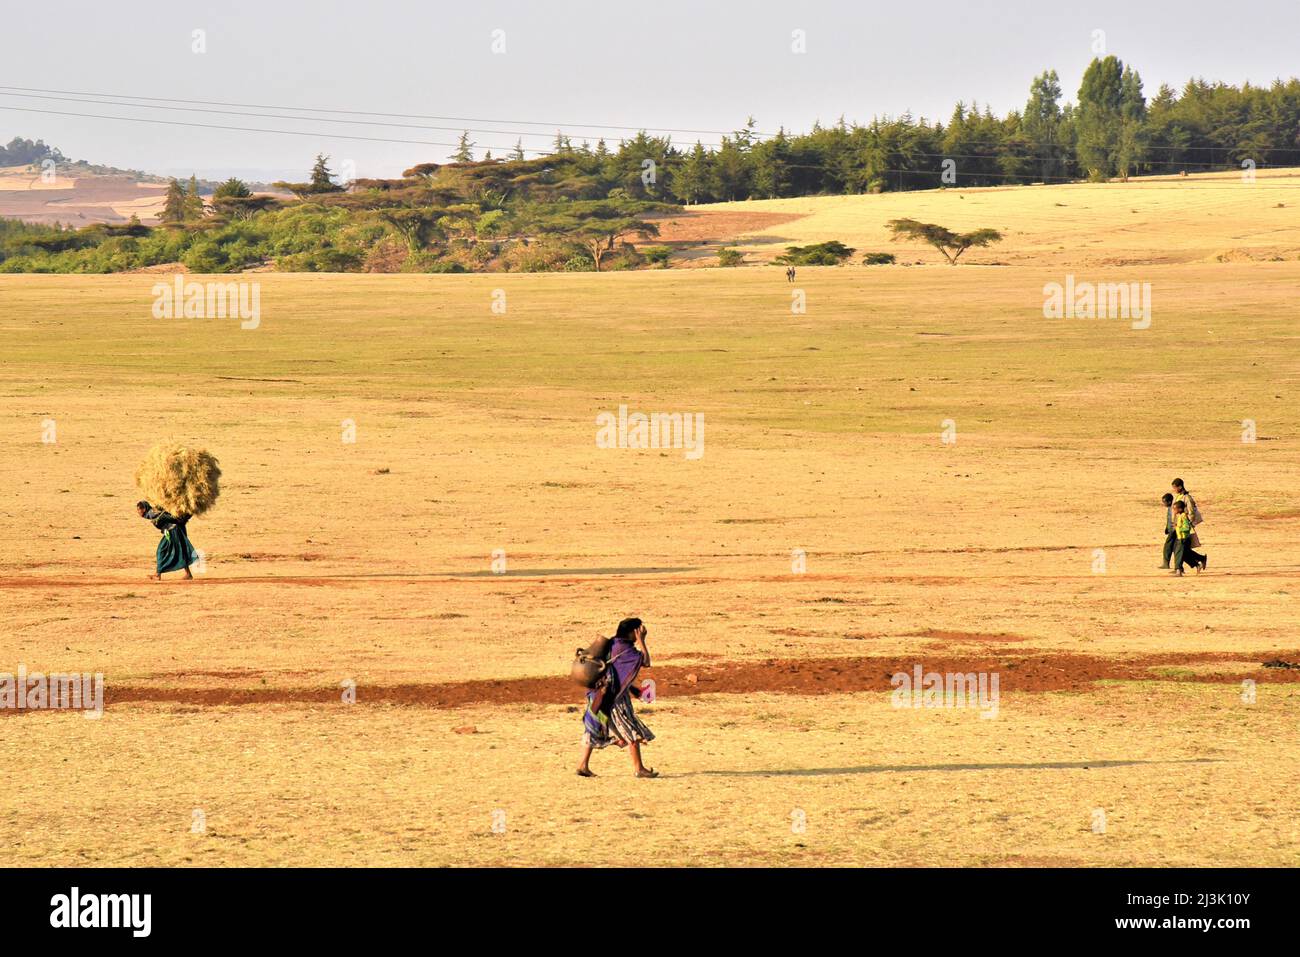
point(1026, 548)
point(1206, 217)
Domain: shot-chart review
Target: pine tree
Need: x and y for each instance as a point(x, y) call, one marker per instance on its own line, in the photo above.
point(174, 205)
point(193, 201)
point(464, 149)
point(322, 179)
point(1131, 147)
point(691, 177)
point(1100, 97)
point(1041, 123)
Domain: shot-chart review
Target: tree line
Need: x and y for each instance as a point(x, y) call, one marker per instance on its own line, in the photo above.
point(1110, 130)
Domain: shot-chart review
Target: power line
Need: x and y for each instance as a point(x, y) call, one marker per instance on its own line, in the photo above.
point(404, 116)
point(249, 129)
point(281, 116)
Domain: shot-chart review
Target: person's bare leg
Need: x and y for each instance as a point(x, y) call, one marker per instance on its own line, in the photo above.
point(583, 769)
point(639, 769)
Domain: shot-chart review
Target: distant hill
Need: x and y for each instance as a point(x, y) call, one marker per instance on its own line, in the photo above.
point(38, 184)
point(79, 195)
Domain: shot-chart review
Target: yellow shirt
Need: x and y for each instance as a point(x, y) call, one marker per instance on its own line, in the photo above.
point(1183, 525)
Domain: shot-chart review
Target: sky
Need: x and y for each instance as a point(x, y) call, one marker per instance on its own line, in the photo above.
point(696, 68)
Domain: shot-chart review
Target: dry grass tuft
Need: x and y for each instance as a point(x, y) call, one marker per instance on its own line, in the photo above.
point(182, 479)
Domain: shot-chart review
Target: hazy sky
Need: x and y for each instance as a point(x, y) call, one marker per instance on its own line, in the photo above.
point(671, 64)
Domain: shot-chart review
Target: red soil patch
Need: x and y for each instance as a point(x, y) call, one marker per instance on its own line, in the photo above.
point(1018, 671)
point(716, 227)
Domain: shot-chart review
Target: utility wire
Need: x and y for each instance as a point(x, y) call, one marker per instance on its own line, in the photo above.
point(282, 116)
point(404, 116)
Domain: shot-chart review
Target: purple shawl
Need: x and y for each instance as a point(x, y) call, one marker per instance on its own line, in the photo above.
point(625, 661)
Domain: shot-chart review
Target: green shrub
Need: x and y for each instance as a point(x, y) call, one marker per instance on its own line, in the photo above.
point(730, 257)
point(320, 260)
point(879, 259)
point(657, 255)
point(830, 253)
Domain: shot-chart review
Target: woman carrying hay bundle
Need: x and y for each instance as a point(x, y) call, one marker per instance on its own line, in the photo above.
point(609, 718)
point(174, 549)
point(182, 483)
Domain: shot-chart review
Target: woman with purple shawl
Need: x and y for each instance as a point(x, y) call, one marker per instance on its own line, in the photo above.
point(609, 718)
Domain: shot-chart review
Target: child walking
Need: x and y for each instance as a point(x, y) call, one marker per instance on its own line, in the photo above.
point(1171, 537)
point(1183, 529)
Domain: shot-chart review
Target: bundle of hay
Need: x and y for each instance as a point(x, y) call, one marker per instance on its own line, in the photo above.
point(182, 479)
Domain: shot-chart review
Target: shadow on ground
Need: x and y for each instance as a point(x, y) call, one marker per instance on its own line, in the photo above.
point(879, 768)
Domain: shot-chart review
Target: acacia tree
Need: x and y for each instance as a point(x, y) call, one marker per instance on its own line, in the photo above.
point(243, 207)
point(951, 244)
point(596, 224)
point(416, 225)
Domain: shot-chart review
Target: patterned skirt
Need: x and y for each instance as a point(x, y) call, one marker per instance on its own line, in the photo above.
point(617, 725)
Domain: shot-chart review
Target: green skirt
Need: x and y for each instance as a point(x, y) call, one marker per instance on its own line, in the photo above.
point(175, 551)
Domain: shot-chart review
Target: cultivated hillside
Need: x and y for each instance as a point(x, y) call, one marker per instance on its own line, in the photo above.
point(76, 197)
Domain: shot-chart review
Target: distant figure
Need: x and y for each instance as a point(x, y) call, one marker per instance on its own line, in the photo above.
point(789, 274)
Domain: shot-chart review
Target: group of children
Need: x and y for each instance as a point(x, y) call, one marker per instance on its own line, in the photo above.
point(1181, 518)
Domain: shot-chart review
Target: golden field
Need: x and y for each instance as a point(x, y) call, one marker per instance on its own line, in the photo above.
point(329, 561)
point(1204, 217)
